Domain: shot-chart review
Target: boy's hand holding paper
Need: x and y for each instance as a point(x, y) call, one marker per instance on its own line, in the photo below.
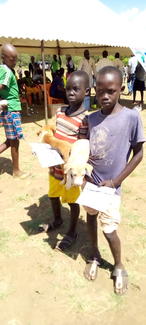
point(47, 156)
point(99, 198)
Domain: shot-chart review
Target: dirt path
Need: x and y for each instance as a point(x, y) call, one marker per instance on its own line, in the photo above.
point(39, 286)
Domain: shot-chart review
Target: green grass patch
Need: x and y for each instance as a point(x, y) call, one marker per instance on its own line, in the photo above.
point(134, 221)
point(22, 198)
point(3, 295)
point(22, 237)
point(126, 189)
point(4, 238)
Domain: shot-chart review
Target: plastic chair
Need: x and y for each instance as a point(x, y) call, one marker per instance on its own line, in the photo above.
point(28, 92)
point(32, 90)
point(48, 85)
point(23, 99)
point(53, 100)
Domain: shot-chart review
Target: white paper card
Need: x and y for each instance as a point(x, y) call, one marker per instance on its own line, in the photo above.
point(99, 198)
point(46, 155)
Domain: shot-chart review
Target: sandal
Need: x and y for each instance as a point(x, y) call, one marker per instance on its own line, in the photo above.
point(120, 278)
point(90, 272)
point(46, 227)
point(65, 243)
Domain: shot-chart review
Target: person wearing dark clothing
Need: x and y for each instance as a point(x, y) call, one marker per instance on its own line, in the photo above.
point(57, 89)
point(70, 66)
point(31, 66)
point(139, 83)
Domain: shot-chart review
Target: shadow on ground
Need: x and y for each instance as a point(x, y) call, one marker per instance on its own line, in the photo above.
point(5, 166)
point(42, 213)
point(128, 103)
point(38, 115)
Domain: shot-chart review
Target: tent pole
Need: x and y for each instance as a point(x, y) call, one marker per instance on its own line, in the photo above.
point(44, 82)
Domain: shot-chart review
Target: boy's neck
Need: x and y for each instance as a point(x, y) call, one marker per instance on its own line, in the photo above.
point(117, 108)
point(74, 110)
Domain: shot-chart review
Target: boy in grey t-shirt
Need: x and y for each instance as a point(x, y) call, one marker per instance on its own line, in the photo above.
point(115, 132)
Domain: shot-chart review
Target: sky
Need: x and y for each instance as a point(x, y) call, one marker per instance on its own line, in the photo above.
point(124, 5)
point(119, 6)
point(130, 12)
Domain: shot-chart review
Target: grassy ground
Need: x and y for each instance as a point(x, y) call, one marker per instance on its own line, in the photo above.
point(39, 286)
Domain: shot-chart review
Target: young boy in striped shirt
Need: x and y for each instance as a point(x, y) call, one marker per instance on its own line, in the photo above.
point(71, 125)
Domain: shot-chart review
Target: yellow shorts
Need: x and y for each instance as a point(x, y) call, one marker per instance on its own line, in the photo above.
point(56, 189)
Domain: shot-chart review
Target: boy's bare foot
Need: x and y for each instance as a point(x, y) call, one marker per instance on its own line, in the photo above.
point(21, 175)
point(90, 272)
point(120, 278)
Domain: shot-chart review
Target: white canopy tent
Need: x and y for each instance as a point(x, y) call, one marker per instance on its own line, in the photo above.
point(32, 46)
point(60, 27)
point(76, 26)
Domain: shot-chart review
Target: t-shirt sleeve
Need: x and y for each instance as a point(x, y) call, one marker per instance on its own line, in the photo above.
point(5, 77)
point(83, 129)
point(137, 133)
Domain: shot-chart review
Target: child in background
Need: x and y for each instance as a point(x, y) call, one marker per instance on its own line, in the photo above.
point(139, 83)
point(57, 88)
point(115, 132)
point(71, 125)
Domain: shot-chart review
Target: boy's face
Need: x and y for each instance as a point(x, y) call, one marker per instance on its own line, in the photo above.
point(87, 54)
point(10, 59)
point(75, 90)
point(108, 88)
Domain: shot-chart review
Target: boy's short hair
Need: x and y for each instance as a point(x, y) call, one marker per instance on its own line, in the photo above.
point(27, 73)
point(113, 70)
point(117, 55)
point(83, 75)
point(61, 71)
point(105, 54)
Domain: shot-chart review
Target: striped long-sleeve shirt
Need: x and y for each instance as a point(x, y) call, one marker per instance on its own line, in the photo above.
point(69, 128)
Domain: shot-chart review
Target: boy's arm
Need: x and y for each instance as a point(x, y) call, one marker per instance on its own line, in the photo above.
point(2, 87)
point(135, 160)
point(59, 60)
point(3, 103)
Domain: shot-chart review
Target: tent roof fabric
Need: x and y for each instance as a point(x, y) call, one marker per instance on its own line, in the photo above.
point(93, 26)
point(32, 46)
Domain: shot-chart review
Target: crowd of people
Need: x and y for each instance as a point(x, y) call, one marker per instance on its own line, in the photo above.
point(111, 124)
point(29, 81)
point(133, 74)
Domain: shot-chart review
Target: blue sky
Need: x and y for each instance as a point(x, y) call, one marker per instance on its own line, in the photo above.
point(118, 5)
point(123, 5)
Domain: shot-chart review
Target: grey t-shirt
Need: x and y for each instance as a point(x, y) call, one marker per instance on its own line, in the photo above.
point(112, 138)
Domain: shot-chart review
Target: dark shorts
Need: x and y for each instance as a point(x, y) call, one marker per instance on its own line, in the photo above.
point(139, 85)
point(11, 121)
